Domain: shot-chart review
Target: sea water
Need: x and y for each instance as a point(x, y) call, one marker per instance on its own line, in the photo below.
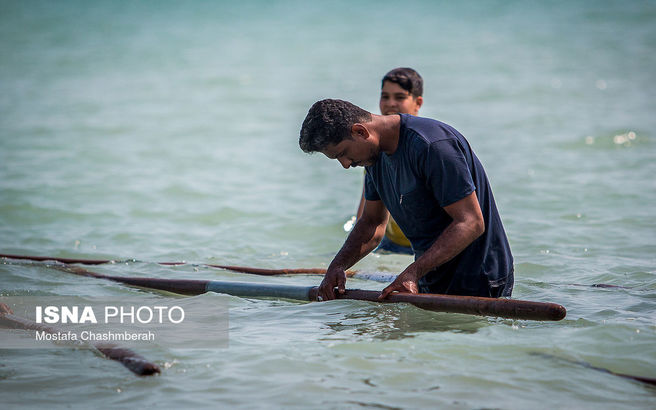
point(167, 131)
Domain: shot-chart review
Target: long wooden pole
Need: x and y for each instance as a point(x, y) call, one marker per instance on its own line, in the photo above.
point(648, 380)
point(242, 269)
point(507, 308)
point(134, 362)
point(247, 269)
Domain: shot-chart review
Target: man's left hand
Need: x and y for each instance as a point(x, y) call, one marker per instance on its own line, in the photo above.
point(406, 282)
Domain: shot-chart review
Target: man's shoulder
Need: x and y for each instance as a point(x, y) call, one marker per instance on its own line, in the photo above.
point(428, 130)
point(426, 134)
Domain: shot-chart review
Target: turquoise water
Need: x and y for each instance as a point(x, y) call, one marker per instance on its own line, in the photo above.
point(168, 131)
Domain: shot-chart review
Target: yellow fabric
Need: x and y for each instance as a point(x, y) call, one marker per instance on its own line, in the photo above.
point(395, 234)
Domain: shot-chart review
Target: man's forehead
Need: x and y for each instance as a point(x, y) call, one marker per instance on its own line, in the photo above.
point(394, 88)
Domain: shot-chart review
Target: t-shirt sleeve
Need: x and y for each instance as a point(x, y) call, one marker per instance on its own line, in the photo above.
point(447, 172)
point(370, 192)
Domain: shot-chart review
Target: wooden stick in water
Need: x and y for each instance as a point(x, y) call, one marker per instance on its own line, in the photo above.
point(508, 308)
point(246, 269)
point(133, 361)
point(242, 269)
point(648, 380)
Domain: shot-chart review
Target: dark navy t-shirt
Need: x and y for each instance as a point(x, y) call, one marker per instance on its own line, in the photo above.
point(433, 167)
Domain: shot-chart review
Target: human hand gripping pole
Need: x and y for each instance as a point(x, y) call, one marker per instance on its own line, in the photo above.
point(365, 236)
point(334, 278)
point(406, 282)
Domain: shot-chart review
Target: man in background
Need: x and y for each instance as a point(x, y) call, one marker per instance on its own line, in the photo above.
point(401, 93)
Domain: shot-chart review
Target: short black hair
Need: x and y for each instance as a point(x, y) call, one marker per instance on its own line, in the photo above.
point(329, 122)
point(406, 78)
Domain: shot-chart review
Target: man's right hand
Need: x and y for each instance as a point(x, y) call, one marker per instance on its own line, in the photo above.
point(334, 277)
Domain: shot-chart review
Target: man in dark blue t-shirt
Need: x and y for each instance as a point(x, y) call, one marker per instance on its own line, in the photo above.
point(426, 174)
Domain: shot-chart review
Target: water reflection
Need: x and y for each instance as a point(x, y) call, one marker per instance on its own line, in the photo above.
point(393, 322)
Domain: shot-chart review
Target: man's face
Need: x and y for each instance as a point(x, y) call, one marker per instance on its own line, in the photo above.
point(395, 100)
point(354, 152)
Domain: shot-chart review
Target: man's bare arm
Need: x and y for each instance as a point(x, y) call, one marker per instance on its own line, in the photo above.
point(467, 225)
point(365, 236)
point(360, 206)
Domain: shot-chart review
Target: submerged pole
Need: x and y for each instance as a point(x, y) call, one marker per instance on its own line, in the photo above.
point(131, 360)
point(507, 308)
point(242, 269)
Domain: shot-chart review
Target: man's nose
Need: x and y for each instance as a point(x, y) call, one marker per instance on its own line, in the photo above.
point(345, 162)
point(390, 104)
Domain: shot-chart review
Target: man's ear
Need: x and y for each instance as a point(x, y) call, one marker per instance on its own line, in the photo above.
point(359, 130)
point(419, 101)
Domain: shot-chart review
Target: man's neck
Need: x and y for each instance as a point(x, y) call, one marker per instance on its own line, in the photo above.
point(389, 129)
